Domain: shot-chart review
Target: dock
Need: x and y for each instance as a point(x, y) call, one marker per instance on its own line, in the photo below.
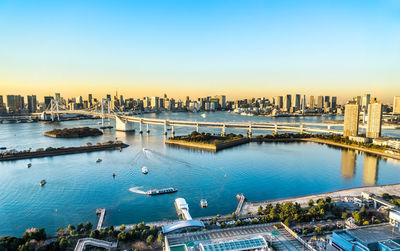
point(102, 214)
point(239, 207)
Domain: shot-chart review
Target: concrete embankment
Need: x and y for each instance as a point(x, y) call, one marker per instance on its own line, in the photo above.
point(368, 150)
point(252, 207)
point(62, 151)
point(207, 146)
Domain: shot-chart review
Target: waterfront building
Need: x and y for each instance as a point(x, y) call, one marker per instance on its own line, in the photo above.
point(351, 115)
point(287, 102)
point(327, 102)
point(154, 103)
point(278, 102)
point(32, 103)
point(396, 105)
point(90, 99)
point(372, 238)
point(374, 119)
point(370, 171)
point(348, 167)
point(312, 102)
point(296, 101)
point(221, 101)
point(320, 102)
point(15, 103)
point(365, 102)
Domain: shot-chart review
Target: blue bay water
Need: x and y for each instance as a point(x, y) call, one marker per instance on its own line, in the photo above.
point(77, 185)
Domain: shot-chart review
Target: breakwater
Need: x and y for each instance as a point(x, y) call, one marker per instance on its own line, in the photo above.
point(50, 151)
point(213, 147)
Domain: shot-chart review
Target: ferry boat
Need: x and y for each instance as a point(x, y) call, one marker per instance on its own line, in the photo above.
point(161, 191)
point(99, 160)
point(145, 170)
point(42, 183)
point(28, 165)
point(3, 148)
point(203, 203)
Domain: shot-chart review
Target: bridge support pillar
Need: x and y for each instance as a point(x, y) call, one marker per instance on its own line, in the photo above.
point(147, 130)
point(123, 125)
point(141, 125)
point(165, 127)
point(329, 127)
point(275, 132)
point(223, 130)
point(301, 128)
point(249, 132)
point(375, 204)
point(172, 131)
point(197, 127)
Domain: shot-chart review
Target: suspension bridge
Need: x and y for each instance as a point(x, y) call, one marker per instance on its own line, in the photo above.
point(127, 123)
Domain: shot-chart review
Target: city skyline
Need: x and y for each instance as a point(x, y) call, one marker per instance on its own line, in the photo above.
point(197, 49)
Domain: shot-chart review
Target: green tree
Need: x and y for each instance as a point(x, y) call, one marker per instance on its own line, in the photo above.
point(94, 234)
point(318, 230)
point(88, 226)
point(64, 243)
point(287, 222)
point(122, 227)
point(150, 239)
point(160, 237)
point(311, 203)
point(344, 215)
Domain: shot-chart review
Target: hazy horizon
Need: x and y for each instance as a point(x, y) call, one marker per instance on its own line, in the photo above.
point(187, 48)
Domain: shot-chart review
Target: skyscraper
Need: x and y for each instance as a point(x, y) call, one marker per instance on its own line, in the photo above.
point(47, 100)
point(312, 102)
point(278, 101)
point(327, 102)
point(32, 104)
point(334, 102)
point(296, 101)
point(1, 101)
point(287, 102)
point(15, 103)
point(320, 102)
point(90, 97)
point(374, 119)
point(366, 101)
point(396, 104)
point(351, 114)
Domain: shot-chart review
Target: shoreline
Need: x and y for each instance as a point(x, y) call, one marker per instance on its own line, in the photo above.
point(63, 151)
point(252, 206)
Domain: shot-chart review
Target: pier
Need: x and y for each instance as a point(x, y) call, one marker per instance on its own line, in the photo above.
point(102, 214)
point(239, 207)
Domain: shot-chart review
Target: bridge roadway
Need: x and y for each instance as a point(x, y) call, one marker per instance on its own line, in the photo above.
point(271, 126)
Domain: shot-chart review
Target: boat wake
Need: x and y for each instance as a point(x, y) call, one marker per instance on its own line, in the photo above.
point(137, 190)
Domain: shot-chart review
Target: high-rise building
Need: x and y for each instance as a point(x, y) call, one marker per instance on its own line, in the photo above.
point(15, 103)
point(32, 104)
point(90, 99)
point(58, 97)
point(154, 103)
point(287, 102)
point(108, 97)
point(222, 101)
point(1, 101)
point(278, 102)
point(351, 114)
point(396, 104)
point(47, 101)
point(312, 102)
point(320, 102)
point(327, 103)
point(296, 101)
point(357, 99)
point(334, 102)
point(374, 119)
point(365, 101)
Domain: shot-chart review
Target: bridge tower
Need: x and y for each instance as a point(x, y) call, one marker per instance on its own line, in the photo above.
point(54, 108)
point(105, 103)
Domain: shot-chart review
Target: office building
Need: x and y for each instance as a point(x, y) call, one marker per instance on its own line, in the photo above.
point(312, 102)
point(15, 103)
point(365, 101)
point(357, 99)
point(32, 103)
point(1, 101)
point(221, 101)
point(320, 102)
point(287, 102)
point(327, 103)
point(154, 103)
point(90, 99)
point(296, 102)
point(374, 119)
point(334, 102)
point(47, 101)
point(396, 105)
point(351, 114)
point(278, 101)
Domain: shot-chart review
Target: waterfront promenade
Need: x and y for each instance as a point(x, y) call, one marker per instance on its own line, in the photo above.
point(252, 207)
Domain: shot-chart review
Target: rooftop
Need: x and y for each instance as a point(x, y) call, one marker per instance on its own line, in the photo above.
point(244, 244)
point(373, 234)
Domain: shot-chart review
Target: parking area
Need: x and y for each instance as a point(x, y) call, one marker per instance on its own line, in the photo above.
point(280, 238)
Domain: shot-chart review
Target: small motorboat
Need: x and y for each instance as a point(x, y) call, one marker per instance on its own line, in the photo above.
point(99, 160)
point(28, 165)
point(203, 203)
point(114, 175)
point(43, 182)
point(145, 170)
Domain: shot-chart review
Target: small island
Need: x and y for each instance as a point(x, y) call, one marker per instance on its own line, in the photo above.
point(207, 141)
point(79, 132)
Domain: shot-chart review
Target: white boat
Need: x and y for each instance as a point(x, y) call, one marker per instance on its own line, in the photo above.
point(99, 160)
point(203, 115)
point(203, 203)
point(28, 165)
point(145, 170)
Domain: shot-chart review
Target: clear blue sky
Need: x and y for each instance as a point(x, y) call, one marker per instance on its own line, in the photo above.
point(240, 48)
